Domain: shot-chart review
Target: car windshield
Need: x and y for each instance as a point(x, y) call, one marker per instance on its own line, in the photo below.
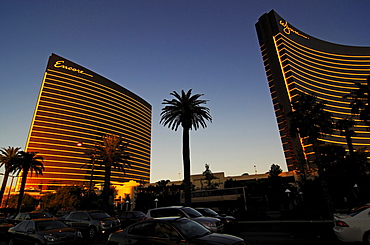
point(99, 215)
point(209, 212)
point(190, 228)
point(138, 214)
point(40, 215)
point(50, 225)
point(192, 212)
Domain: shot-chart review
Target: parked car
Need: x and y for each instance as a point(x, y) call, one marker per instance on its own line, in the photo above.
point(213, 224)
point(227, 220)
point(4, 227)
point(92, 223)
point(31, 215)
point(43, 231)
point(353, 226)
point(129, 217)
point(170, 230)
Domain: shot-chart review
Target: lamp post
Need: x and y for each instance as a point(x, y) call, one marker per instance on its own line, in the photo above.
point(156, 202)
point(79, 144)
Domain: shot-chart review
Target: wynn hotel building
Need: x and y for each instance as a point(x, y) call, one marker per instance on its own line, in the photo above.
point(297, 62)
point(78, 105)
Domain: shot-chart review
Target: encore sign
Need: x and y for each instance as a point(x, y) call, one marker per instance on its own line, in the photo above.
point(287, 30)
point(60, 64)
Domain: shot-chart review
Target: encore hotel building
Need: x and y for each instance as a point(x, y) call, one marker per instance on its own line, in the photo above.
point(297, 62)
point(78, 105)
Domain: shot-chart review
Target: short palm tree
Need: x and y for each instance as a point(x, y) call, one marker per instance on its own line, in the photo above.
point(185, 110)
point(27, 162)
point(8, 157)
point(111, 152)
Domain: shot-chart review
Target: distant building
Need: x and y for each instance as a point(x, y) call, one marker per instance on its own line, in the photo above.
point(297, 62)
point(77, 105)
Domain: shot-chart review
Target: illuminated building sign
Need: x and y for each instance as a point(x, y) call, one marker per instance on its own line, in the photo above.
point(287, 30)
point(60, 64)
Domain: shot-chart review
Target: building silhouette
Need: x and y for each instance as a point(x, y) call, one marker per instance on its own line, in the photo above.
point(297, 62)
point(76, 105)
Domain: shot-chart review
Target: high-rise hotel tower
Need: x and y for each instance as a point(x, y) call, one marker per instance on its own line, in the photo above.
point(77, 105)
point(297, 62)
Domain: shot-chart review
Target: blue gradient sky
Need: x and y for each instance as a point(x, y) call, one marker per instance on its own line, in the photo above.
point(155, 47)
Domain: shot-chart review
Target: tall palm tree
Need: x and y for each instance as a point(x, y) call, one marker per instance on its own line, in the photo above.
point(185, 110)
point(111, 152)
point(28, 162)
point(8, 157)
point(345, 127)
point(308, 118)
point(360, 100)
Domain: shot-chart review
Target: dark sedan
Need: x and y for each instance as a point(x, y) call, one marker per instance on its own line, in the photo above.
point(43, 231)
point(171, 230)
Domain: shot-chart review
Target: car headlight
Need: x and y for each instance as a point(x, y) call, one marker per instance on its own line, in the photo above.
point(102, 222)
point(210, 224)
point(51, 238)
point(79, 234)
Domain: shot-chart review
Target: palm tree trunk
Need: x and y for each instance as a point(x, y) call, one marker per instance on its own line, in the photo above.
point(106, 189)
point(3, 186)
point(186, 162)
point(21, 190)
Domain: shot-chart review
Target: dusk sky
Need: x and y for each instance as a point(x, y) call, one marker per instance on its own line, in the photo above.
point(155, 47)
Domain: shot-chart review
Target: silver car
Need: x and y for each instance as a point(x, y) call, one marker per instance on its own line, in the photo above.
point(213, 224)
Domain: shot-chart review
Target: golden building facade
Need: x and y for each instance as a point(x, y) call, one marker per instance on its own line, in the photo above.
point(77, 105)
point(297, 62)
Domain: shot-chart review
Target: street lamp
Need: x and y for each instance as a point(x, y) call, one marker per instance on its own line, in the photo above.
point(156, 202)
point(79, 144)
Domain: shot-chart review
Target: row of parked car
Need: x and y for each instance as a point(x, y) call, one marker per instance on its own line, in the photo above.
point(166, 225)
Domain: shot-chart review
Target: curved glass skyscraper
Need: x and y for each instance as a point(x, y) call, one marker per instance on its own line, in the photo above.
point(78, 105)
point(297, 62)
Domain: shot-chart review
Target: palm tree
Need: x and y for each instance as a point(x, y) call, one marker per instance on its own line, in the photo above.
point(185, 110)
point(111, 152)
point(360, 100)
point(8, 157)
point(345, 126)
point(308, 118)
point(27, 162)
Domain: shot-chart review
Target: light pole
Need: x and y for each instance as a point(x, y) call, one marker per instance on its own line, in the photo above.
point(156, 202)
point(79, 144)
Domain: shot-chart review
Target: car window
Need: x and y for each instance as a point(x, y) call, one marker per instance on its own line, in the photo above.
point(164, 230)
point(22, 226)
point(99, 215)
point(129, 215)
point(39, 215)
point(49, 225)
point(138, 214)
point(166, 212)
point(190, 228)
point(31, 225)
point(142, 229)
point(192, 213)
point(83, 216)
point(122, 215)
